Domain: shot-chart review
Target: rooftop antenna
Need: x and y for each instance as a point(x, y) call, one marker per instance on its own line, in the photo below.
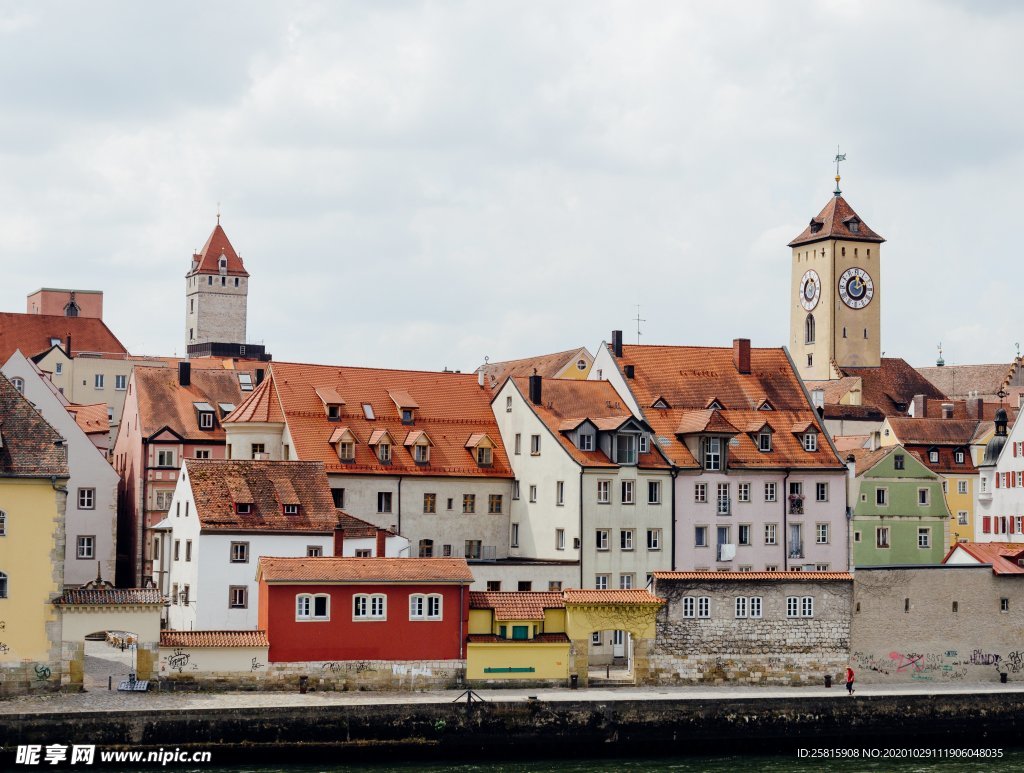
point(839, 157)
point(638, 319)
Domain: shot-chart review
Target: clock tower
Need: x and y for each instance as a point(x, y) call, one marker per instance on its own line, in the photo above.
point(835, 309)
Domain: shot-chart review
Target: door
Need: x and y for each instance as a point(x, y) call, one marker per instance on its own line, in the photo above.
point(618, 644)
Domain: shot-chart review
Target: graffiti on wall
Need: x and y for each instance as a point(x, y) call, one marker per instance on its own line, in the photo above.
point(179, 660)
point(42, 672)
point(947, 665)
point(348, 666)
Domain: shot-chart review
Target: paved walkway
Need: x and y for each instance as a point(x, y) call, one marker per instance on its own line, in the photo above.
point(102, 700)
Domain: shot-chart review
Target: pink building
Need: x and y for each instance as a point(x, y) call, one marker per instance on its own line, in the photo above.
point(66, 303)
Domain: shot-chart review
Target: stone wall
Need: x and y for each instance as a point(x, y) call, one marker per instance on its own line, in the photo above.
point(937, 624)
point(771, 649)
point(338, 675)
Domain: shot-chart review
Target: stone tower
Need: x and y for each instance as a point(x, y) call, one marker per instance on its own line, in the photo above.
point(835, 293)
point(216, 294)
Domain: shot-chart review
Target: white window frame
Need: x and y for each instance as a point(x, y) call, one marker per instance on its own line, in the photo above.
point(628, 491)
point(98, 381)
point(756, 607)
point(601, 581)
point(120, 382)
point(741, 606)
point(426, 606)
point(742, 492)
point(821, 533)
point(534, 445)
point(238, 553)
point(604, 489)
point(305, 607)
point(87, 498)
point(810, 441)
point(559, 539)
point(924, 532)
point(85, 547)
point(961, 487)
point(626, 539)
point(771, 534)
point(698, 530)
point(924, 497)
point(369, 606)
point(764, 442)
point(586, 441)
point(601, 538)
point(771, 492)
point(533, 492)
point(654, 539)
point(704, 607)
point(700, 493)
point(821, 491)
point(559, 493)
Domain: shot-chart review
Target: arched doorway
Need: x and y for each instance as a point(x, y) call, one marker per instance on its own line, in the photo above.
point(610, 657)
point(109, 657)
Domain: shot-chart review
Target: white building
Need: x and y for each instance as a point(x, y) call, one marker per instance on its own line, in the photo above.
point(999, 509)
point(91, 518)
point(225, 515)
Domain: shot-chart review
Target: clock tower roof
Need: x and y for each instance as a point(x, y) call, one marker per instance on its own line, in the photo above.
point(837, 221)
point(207, 260)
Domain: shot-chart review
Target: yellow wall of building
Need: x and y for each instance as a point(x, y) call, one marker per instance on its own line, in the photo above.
point(480, 621)
point(960, 503)
point(548, 661)
point(554, 620)
point(639, 620)
point(33, 561)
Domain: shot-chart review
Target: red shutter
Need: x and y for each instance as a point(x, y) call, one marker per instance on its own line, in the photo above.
point(1015, 449)
point(998, 476)
point(986, 524)
point(1012, 531)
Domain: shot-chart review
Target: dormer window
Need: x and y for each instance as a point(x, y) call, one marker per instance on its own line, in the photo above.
point(290, 509)
point(384, 452)
point(958, 457)
point(816, 226)
point(333, 412)
point(854, 226)
point(405, 404)
point(419, 445)
point(245, 382)
point(55, 342)
point(421, 453)
point(644, 444)
point(625, 448)
point(205, 414)
point(810, 441)
point(484, 456)
point(586, 441)
point(347, 451)
point(764, 441)
point(225, 408)
point(407, 416)
point(661, 403)
point(345, 442)
point(933, 455)
point(711, 453)
point(482, 448)
point(243, 508)
point(222, 264)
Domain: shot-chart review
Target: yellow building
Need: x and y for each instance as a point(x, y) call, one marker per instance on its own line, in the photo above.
point(33, 474)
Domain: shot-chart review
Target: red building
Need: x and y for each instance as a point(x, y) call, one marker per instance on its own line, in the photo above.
point(364, 608)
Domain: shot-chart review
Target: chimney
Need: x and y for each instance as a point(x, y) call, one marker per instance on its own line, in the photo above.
point(184, 373)
point(339, 541)
point(920, 410)
point(629, 370)
point(480, 376)
point(976, 408)
point(260, 373)
point(818, 399)
point(876, 441)
point(68, 351)
point(741, 354)
point(382, 537)
point(947, 410)
point(617, 343)
point(535, 389)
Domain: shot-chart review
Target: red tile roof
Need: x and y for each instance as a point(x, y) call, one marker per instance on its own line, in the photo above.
point(516, 605)
point(31, 333)
point(164, 402)
point(29, 446)
point(951, 432)
point(92, 418)
point(748, 576)
point(1003, 556)
point(567, 403)
point(545, 365)
point(892, 385)
point(110, 596)
point(218, 484)
point(365, 570)
point(452, 408)
point(963, 380)
point(866, 458)
point(833, 222)
point(540, 638)
point(689, 377)
point(575, 596)
point(214, 639)
point(208, 258)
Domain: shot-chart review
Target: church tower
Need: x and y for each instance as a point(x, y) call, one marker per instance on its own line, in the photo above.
point(835, 309)
point(216, 295)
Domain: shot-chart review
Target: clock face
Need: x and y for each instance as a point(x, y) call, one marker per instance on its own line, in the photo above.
point(810, 290)
point(856, 288)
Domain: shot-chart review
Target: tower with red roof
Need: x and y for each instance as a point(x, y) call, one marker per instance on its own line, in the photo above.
point(216, 295)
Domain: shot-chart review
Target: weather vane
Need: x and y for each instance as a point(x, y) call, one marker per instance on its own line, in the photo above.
point(940, 361)
point(839, 157)
point(638, 320)
point(218, 209)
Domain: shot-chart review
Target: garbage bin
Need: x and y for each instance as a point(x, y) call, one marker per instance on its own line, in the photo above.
point(303, 684)
point(574, 681)
point(1002, 676)
point(828, 680)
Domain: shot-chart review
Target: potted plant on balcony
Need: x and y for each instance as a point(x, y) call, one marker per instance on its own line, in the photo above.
point(796, 504)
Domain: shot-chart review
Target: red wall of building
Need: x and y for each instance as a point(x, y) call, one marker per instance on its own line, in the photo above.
point(342, 638)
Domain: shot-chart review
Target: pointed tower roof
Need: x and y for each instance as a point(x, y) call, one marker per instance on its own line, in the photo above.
point(207, 260)
point(837, 221)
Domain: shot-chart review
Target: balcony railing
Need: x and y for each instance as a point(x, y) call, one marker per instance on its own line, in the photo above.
point(796, 549)
point(486, 553)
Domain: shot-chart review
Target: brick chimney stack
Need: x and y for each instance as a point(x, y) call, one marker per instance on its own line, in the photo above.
point(741, 354)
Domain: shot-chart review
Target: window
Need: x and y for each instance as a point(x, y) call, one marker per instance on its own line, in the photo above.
point(384, 453)
point(1004, 604)
point(703, 606)
point(722, 499)
point(700, 536)
point(923, 496)
point(792, 606)
point(554, 586)
point(177, 549)
point(559, 493)
point(882, 497)
point(821, 492)
point(899, 461)
point(743, 492)
point(188, 550)
point(961, 487)
point(513, 540)
point(626, 581)
point(586, 442)
point(421, 453)
point(86, 499)
point(882, 537)
point(239, 552)
point(369, 606)
point(314, 551)
point(603, 492)
point(165, 458)
point(821, 532)
point(625, 448)
point(368, 412)
point(238, 597)
point(628, 492)
point(426, 548)
point(689, 606)
point(961, 518)
point(186, 594)
point(856, 536)
point(601, 582)
point(425, 606)
point(205, 420)
point(770, 492)
point(508, 404)
point(519, 443)
point(533, 493)
point(654, 492)
point(644, 444)
point(601, 539)
point(58, 368)
point(364, 553)
point(383, 501)
point(473, 549)
point(654, 539)
point(559, 539)
point(338, 495)
point(809, 329)
point(3, 524)
point(202, 453)
point(810, 441)
point(86, 547)
point(242, 508)
point(933, 455)
point(771, 534)
point(741, 606)
point(483, 456)
point(245, 382)
point(712, 455)
point(743, 535)
point(924, 537)
point(764, 442)
point(120, 382)
point(98, 381)
point(430, 503)
point(626, 539)
point(515, 489)
point(493, 585)
point(958, 457)
point(535, 445)
point(469, 503)
point(312, 606)
point(494, 503)
point(810, 360)
point(807, 606)
point(700, 492)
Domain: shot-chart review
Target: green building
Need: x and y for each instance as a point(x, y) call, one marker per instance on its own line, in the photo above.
point(899, 511)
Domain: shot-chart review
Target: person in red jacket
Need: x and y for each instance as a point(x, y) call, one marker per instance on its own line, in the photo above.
point(849, 680)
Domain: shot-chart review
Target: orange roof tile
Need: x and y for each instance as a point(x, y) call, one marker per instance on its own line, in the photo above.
point(164, 402)
point(29, 446)
point(214, 639)
point(574, 596)
point(866, 458)
point(540, 638)
point(92, 419)
point(513, 605)
point(748, 576)
point(956, 432)
point(32, 333)
point(218, 484)
point(833, 222)
point(544, 365)
point(207, 259)
point(688, 377)
point(1004, 556)
point(452, 406)
point(329, 396)
point(345, 570)
point(891, 386)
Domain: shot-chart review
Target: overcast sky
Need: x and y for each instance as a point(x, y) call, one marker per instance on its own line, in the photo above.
point(419, 185)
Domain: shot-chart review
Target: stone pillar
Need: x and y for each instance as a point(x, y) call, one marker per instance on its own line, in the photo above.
point(72, 666)
point(579, 660)
point(147, 655)
point(642, 650)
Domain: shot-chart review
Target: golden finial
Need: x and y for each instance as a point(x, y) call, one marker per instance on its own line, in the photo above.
point(839, 157)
